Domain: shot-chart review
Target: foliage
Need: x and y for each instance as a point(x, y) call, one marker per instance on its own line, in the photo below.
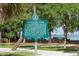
point(47, 11)
point(13, 14)
point(56, 14)
point(9, 10)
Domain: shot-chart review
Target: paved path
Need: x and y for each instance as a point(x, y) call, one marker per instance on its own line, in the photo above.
point(40, 52)
point(54, 53)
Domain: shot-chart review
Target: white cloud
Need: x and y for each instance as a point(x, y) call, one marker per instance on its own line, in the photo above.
point(58, 31)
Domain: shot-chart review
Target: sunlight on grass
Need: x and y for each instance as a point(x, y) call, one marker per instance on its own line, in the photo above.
point(42, 47)
point(5, 45)
point(16, 54)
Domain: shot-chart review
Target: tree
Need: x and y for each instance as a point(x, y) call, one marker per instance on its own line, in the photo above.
point(49, 12)
point(68, 19)
point(59, 15)
point(54, 13)
point(14, 14)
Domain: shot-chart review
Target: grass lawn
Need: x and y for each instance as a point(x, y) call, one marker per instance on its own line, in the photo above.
point(5, 45)
point(16, 54)
point(68, 49)
point(54, 48)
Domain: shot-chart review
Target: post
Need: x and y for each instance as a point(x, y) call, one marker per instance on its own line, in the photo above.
point(24, 41)
point(36, 47)
point(34, 12)
point(35, 15)
point(34, 9)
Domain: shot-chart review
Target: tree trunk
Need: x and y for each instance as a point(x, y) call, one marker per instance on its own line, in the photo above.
point(65, 36)
point(9, 41)
point(17, 44)
point(49, 38)
point(0, 37)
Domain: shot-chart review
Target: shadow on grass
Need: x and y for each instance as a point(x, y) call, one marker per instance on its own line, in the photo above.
point(57, 48)
point(10, 54)
point(68, 49)
point(30, 47)
point(71, 50)
point(17, 54)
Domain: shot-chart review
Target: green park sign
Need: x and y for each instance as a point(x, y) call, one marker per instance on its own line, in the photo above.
point(35, 28)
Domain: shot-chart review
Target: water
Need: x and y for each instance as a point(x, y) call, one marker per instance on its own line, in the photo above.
point(70, 36)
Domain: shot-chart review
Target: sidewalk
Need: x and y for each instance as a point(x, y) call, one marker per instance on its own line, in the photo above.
point(40, 52)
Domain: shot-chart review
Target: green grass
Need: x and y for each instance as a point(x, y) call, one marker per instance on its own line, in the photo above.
point(16, 54)
point(7, 45)
point(3, 45)
point(54, 48)
point(27, 46)
point(50, 48)
point(68, 49)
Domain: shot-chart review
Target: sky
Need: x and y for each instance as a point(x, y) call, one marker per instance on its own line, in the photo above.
point(60, 31)
point(72, 36)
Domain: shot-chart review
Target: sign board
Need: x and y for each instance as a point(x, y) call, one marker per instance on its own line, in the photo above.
point(35, 29)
